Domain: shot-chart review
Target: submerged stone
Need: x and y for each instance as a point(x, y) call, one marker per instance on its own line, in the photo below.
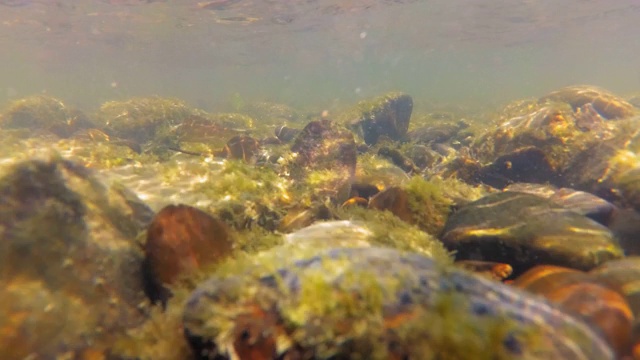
point(583, 203)
point(44, 113)
point(180, 240)
point(323, 144)
point(285, 133)
point(241, 147)
point(377, 303)
point(526, 230)
point(143, 119)
point(329, 150)
point(603, 101)
point(529, 164)
point(489, 269)
point(436, 133)
point(584, 295)
point(69, 262)
point(387, 115)
point(622, 275)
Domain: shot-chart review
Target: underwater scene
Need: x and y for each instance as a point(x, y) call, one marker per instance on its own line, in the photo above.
point(319, 179)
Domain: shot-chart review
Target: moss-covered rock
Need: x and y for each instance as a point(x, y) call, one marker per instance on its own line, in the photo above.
point(44, 113)
point(324, 159)
point(387, 115)
point(376, 303)
point(425, 203)
point(606, 103)
point(69, 252)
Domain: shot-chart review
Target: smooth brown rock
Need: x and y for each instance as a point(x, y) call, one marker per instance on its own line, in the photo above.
point(180, 240)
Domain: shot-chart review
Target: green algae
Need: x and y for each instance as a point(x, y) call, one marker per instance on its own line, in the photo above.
point(389, 231)
point(428, 203)
point(367, 108)
point(551, 129)
point(243, 195)
point(378, 171)
point(143, 119)
point(448, 332)
point(150, 121)
point(238, 180)
point(350, 317)
point(318, 185)
point(161, 336)
point(43, 113)
point(255, 240)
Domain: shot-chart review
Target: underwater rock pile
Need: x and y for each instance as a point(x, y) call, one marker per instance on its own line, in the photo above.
point(153, 230)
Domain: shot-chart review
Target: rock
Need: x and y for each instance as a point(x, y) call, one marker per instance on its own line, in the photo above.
point(322, 144)
point(180, 240)
point(581, 202)
point(144, 119)
point(526, 230)
point(436, 133)
point(70, 265)
point(489, 269)
point(330, 150)
point(285, 133)
point(422, 203)
point(529, 164)
point(387, 115)
point(44, 113)
point(623, 275)
point(376, 303)
point(582, 294)
point(398, 159)
point(535, 147)
point(241, 147)
point(604, 102)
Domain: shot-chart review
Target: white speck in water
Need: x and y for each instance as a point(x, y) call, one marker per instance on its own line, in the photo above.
point(363, 35)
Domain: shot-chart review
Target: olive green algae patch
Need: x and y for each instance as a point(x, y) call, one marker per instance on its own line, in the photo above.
point(389, 231)
point(161, 336)
point(376, 303)
point(143, 119)
point(43, 114)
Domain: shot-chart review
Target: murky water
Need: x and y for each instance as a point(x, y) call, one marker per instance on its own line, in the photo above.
point(472, 162)
point(315, 52)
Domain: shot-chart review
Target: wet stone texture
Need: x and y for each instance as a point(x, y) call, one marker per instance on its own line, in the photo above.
point(534, 147)
point(180, 240)
point(526, 230)
point(604, 102)
point(70, 266)
point(377, 303)
point(586, 296)
point(623, 276)
point(610, 168)
point(386, 115)
point(581, 202)
point(41, 114)
point(323, 145)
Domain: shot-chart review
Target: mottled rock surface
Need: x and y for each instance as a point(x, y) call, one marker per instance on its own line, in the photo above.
point(69, 262)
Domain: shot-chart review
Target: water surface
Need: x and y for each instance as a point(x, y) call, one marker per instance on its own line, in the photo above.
point(315, 52)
